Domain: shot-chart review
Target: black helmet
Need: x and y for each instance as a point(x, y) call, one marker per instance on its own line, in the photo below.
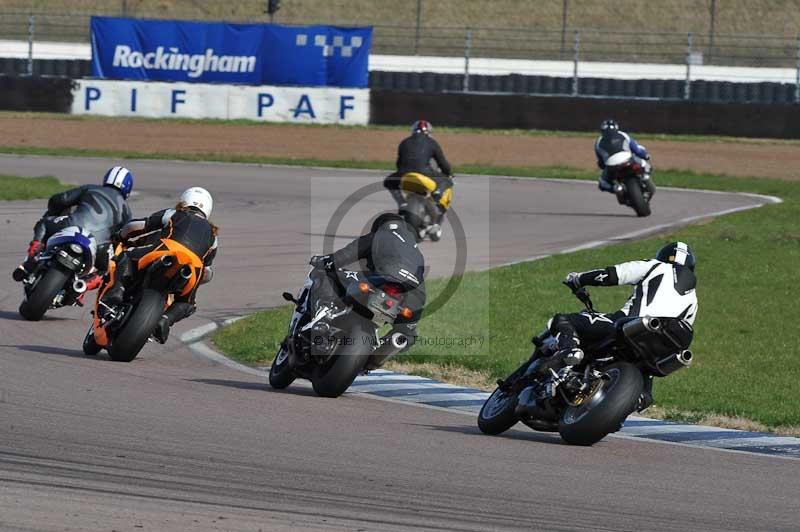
point(609, 125)
point(422, 126)
point(386, 218)
point(677, 253)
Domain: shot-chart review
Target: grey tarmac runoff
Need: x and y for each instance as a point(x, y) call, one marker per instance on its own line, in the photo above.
point(174, 441)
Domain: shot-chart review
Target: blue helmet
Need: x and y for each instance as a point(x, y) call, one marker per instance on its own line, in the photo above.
point(120, 178)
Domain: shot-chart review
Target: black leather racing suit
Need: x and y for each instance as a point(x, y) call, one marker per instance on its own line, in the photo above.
point(101, 210)
point(415, 154)
point(188, 227)
point(391, 250)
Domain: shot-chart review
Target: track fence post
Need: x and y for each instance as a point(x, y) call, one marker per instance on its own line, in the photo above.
point(467, 50)
point(31, 31)
point(416, 32)
point(797, 72)
point(576, 50)
point(687, 86)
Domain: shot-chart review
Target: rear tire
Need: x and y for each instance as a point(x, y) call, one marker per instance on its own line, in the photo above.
point(633, 188)
point(138, 327)
point(41, 297)
point(497, 414)
point(281, 374)
point(414, 213)
point(336, 376)
point(606, 410)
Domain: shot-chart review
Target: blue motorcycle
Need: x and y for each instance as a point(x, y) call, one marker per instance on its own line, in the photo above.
point(56, 281)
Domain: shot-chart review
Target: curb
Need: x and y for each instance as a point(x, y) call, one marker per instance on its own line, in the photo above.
point(429, 393)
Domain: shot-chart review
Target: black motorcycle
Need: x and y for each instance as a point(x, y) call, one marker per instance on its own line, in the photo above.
point(330, 343)
point(57, 279)
point(588, 401)
point(635, 188)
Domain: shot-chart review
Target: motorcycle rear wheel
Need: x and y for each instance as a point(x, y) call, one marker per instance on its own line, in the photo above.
point(41, 297)
point(334, 377)
point(141, 323)
point(606, 410)
point(633, 189)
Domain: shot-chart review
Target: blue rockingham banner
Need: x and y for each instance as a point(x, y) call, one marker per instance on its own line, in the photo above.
point(255, 54)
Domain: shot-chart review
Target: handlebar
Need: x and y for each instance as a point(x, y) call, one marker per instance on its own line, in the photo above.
point(583, 296)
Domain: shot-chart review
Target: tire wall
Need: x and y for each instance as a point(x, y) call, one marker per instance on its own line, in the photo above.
point(513, 111)
point(44, 94)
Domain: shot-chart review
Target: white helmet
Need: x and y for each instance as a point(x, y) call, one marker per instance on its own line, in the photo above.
point(199, 198)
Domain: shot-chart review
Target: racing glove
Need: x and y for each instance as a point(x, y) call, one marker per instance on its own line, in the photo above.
point(573, 280)
point(322, 262)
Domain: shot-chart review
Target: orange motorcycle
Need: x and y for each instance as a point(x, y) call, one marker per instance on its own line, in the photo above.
point(123, 329)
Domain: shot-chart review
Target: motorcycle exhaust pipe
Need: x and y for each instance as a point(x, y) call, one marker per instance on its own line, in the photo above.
point(72, 292)
point(79, 286)
point(399, 341)
point(186, 272)
point(396, 343)
point(167, 261)
point(652, 324)
point(674, 362)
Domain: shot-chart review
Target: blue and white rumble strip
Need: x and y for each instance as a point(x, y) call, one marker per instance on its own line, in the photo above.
point(420, 390)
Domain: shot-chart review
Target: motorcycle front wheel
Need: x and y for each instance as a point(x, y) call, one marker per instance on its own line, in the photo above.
point(281, 373)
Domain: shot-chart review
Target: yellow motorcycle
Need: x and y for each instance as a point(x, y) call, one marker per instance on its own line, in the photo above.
point(422, 210)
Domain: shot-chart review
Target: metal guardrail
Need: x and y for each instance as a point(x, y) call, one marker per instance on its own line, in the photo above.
point(579, 45)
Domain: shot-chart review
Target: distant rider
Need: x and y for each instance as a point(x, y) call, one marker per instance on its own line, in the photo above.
point(187, 224)
point(389, 249)
point(415, 154)
point(663, 287)
point(101, 210)
point(612, 140)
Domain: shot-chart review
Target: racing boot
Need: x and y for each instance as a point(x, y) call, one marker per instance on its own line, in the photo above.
point(605, 186)
point(646, 397)
point(25, 269)
point(397, 195)
point(161, 332)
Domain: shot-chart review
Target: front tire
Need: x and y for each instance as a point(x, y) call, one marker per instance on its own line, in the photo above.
point(497, 414)
point(138, 327)
point(281, 373)
point(42, 295)
point(636, 198)
point(334, 377)
point(90, 347)
point(606, 410)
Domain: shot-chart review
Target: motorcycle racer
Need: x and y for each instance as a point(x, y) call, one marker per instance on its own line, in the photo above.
point(613, 140)
point(662, 287)
point(389, 249)
point(414, 154)
point(186, 223)
point(99, 210)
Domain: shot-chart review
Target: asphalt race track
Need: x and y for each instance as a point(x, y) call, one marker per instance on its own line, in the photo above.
point(173, 441)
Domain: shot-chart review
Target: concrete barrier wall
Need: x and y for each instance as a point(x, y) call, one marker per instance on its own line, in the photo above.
point(585, 114)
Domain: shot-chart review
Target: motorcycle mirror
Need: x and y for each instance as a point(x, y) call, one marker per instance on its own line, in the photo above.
point(289, 297)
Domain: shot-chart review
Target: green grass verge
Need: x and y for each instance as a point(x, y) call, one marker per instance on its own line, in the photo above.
point(25, 188)
point(747, 356)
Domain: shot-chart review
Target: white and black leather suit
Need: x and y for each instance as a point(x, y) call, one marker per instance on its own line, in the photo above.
point(661, 289)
